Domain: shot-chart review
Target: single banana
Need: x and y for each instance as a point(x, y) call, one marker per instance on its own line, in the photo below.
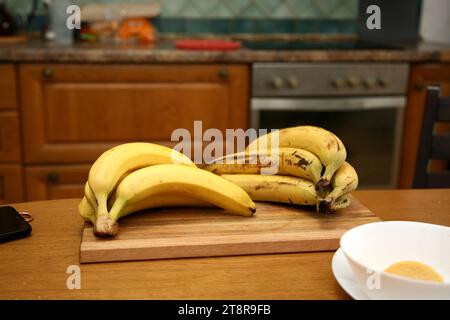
point(114, 163)
point(324, 144)
point(344, 181)
point(90, 196)
point(88, 212)
point(276, 188)
point(174, 179)
point(287, 161)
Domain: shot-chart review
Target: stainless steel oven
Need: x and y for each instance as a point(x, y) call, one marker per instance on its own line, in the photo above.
point(362, 103)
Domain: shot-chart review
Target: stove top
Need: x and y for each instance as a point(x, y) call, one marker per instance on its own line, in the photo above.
point(317, 45)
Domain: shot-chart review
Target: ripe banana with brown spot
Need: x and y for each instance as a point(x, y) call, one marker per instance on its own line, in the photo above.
point(324, 144)
point(287, 161)
point(344, 181)
point(275, 188)
point(108, 169)
point(159, 180)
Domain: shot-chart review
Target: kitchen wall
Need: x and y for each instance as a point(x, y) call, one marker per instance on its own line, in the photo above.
point(234, 16)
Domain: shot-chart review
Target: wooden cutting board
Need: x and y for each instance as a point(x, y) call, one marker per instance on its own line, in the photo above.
point(205, 232)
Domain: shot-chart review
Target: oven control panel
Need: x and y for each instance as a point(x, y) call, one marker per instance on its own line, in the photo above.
point(329, 79)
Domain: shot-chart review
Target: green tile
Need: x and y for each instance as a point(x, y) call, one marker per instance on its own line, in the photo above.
point(242, 25)
point(198, 26)
point(310, 9)
point(236, 6)
point(172, 8)
point(341, 9)
point(220, 10)
point(234, 15)
point(251, 11)
point(190, 10)
point(304, 9)
point(170, 25)
point(268, 6)
point(283, 12)
point(221, 26)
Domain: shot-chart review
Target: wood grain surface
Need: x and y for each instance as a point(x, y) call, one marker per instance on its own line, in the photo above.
point(71, 113)
point(205, 232)
point(35, 267)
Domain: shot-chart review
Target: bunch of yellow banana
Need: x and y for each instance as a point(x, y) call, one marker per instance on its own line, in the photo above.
point(311, 168)
point(137, 176)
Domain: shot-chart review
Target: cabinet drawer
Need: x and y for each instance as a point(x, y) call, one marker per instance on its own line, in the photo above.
point(11, 185)
point(55, 182)
point(8, 93)
point(72, 113)
point(9, 137)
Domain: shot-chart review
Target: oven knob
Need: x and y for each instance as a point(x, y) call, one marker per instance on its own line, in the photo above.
point(277, 82)
point(384, 83)
point(293, 82)
point(338, 83)
point(353, 82)
point(370, 83)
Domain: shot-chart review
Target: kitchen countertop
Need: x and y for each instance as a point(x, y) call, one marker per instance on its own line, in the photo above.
point(35, 267)
point(164, 51)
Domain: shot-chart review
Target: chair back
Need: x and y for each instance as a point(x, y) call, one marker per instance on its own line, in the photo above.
point(432, 146)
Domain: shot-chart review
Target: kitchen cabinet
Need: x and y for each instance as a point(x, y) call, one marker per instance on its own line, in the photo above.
point(11, 178)
point(11, 184)
point(72, 113)
point(8, 84)
point(9, 137)
point(55, 182)
point(421, 75)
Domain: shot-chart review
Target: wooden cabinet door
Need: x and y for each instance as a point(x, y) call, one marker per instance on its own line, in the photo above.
point(55, 182)
point(9, 137)
point(11, 184)
point(8, 94)
point(72, 113)
point(421, 76)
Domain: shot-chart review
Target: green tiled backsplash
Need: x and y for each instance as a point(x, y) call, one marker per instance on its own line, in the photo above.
point(228, 16)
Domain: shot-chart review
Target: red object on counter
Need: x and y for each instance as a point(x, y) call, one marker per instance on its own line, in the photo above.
point(207, 44)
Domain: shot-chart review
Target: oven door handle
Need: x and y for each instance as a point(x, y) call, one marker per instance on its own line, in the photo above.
point(328, 104)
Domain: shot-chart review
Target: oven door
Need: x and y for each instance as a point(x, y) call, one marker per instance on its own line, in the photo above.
point(370, 127)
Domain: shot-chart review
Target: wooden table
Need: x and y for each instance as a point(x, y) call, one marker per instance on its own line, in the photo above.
point(35, 267)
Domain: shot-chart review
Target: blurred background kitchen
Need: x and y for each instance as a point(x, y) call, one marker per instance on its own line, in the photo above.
point(137, 70)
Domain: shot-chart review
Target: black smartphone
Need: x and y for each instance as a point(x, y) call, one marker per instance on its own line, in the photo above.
point(12, 224)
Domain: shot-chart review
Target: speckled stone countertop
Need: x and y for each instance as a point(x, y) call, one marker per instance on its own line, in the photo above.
point(165, 52)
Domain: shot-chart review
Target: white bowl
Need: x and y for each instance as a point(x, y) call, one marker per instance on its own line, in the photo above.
point(373, 247)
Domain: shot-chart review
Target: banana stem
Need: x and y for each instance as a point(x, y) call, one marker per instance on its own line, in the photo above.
point(105, 226)
point(325, 207)
point(321, 187)
point(102, 202)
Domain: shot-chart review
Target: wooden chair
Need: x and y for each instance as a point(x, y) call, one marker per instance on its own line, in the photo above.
point(437, 109)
